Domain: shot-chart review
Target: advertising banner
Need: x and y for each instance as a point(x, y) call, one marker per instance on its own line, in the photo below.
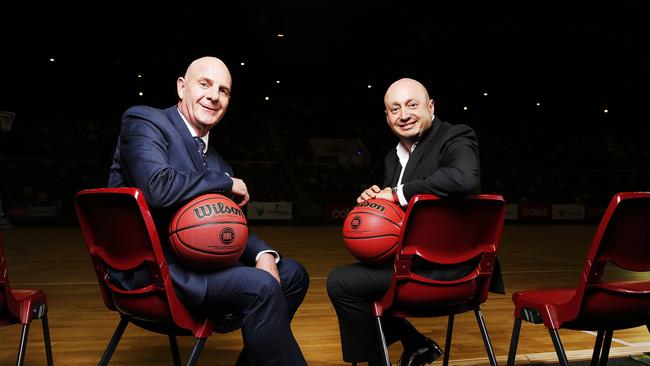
point(269, 210)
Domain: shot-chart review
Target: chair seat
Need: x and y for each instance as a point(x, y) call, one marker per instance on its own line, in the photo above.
point(21, 295)
point(628, 287)
point(27, 300)
point(543, 297)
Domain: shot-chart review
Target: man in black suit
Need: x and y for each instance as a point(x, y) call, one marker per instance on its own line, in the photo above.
point(432, 156)
point(165, 153)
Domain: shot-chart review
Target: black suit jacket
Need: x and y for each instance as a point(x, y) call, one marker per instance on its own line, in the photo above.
point(445, 162)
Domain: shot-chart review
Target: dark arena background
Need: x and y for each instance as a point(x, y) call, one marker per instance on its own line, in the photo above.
point(557, 93)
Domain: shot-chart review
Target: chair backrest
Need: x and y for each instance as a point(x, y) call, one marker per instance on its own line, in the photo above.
point(623, 239)
point(4, 283)
point(445, 233)
point(9, 305)
point(120, 234)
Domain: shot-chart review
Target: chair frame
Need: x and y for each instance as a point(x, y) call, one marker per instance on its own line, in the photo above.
point(570, 308)
point(481, 276)
point(23, 306)
point(181, 321)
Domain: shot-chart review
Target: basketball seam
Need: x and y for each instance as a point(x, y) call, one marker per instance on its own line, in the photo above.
point(399, 213)
point(206, 224)
point(369, 237)
point(203, 251)
point(384, 253)
point(381, 217)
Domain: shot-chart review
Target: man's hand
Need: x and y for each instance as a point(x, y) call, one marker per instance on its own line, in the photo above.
point(266, 262)
point(239, 189)
point(375, 192)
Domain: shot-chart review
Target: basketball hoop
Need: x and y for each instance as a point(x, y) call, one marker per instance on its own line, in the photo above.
point(6, 119)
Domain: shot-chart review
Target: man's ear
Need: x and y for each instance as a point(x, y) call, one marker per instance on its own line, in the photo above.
point(180, 87)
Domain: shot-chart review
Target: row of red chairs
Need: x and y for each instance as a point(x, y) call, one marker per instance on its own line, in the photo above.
point(120, 234)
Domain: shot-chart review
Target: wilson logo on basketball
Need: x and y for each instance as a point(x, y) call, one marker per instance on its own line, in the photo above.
point(374, 205)
point(356, 222)
point(204, 211)
point(227, 235)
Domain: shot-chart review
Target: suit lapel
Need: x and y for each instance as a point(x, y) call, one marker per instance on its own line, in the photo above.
point(175, 117)
point(393, 168)
point(420, 149)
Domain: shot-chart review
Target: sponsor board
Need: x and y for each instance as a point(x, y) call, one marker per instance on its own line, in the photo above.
point(534, 211)
point(511, 211)
point(32, 211)
point(269, 210)
point(569, 212)
point(337, 212)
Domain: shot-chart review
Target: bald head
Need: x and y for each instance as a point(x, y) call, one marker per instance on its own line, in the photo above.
point(204, 64)
point(406, 86)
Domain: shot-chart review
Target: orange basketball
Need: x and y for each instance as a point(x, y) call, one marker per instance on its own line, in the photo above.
point(208, 233)
point(371, 230)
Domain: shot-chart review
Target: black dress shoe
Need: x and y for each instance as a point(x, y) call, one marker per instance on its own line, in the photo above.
point(423, 355)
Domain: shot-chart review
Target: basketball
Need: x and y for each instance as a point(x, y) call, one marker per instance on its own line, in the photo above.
point(371, 230)
point(208, 233)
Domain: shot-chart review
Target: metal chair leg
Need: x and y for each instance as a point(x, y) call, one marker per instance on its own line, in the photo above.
point(557, 343)
point(595, 356)
point(23, 345)
point(46, 337)
point(196, 351)
point(112, 345)
point(607, 342)
point(174, 346)
point(382, 339)
point(514, 341)
point(486, 336)
point(450, 330)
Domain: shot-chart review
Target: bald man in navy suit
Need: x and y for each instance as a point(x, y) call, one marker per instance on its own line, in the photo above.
point(163, 152)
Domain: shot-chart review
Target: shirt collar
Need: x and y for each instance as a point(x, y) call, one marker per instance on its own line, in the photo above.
point(205, 138)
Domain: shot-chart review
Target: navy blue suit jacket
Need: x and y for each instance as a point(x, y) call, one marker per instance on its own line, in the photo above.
point(157, 154)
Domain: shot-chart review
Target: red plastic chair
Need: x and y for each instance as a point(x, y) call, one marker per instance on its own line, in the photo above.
point(446, 232)
point(622, 239)
point(21, 306)
point(120, 234)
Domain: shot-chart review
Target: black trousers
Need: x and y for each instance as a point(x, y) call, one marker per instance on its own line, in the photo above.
point(353, 288)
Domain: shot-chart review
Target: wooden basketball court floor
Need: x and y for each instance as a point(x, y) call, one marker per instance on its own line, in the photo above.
point(532, 256)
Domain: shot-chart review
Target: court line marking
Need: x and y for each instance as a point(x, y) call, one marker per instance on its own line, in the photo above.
point(53, 283)
point(546, 258)
point(543, 271)
point(619, 340)
point(505, 272)
point(550, 357)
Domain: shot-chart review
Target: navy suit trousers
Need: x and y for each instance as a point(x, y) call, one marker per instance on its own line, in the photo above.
point(266, 308)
